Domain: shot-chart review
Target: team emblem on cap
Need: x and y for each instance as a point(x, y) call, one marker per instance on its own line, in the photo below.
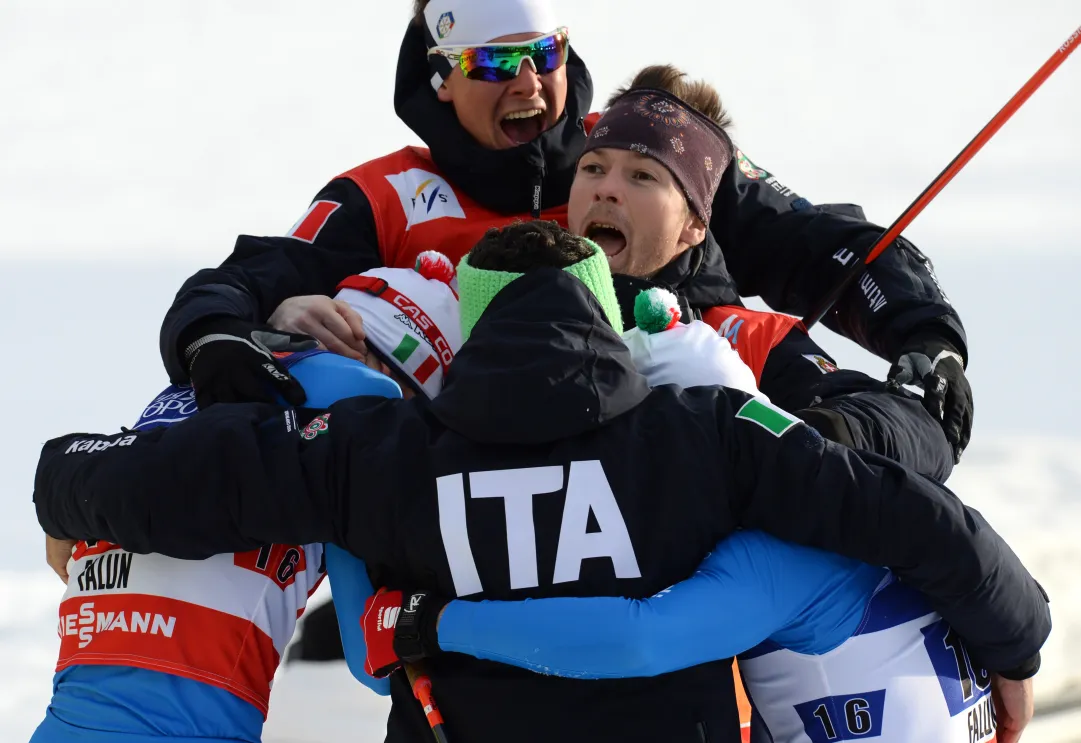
point(445, 24)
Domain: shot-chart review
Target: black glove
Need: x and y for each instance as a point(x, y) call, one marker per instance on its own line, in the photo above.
point(933, 363)
point(400, 627)
point(229, 360)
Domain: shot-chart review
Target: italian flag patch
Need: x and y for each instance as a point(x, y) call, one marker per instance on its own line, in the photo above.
point(770, 417)
point(419, 365)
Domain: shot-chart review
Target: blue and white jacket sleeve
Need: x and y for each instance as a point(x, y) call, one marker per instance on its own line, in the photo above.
point(349, 581)
point(751, 587)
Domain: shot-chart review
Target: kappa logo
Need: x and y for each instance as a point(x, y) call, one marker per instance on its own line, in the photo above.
point(414, 602)
point(414, 318)
point(91, 446)
point(425, 196)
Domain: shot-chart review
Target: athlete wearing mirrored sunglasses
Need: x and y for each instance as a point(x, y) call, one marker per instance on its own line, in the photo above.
point(502, 101)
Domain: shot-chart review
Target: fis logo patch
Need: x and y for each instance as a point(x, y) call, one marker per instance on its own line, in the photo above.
point(425, 196)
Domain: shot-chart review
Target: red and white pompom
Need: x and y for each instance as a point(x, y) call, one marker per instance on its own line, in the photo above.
point(431, 264)
point(656, 310)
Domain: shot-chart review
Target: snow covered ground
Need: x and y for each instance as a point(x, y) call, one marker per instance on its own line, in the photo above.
point(1026, 486)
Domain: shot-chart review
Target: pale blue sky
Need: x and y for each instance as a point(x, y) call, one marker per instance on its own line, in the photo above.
point(142, 129)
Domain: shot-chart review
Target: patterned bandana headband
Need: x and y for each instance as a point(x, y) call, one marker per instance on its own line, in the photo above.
point(659, 125)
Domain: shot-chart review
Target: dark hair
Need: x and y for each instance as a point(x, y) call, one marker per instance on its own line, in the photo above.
point(523, 246)
point(698, 94)
point(418, 11)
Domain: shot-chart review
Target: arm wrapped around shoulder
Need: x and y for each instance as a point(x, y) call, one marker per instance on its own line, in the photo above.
point(233, 478)
point(807, 490)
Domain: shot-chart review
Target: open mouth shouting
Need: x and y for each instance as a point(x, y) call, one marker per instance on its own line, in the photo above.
point(611, 238)
point(520, 127)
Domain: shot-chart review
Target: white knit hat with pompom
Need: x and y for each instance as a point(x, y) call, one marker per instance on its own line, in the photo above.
point(411, 317)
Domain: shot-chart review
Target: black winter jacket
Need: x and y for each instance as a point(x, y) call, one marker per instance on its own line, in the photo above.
point(544, 439)
point(847, 406)
point(773, 243)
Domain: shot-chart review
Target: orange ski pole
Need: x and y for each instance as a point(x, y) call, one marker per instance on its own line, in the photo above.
point(421, 684)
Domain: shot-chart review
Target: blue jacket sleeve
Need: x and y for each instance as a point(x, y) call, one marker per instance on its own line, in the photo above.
point(328, 378)
point(349, 581)
point(749, 588)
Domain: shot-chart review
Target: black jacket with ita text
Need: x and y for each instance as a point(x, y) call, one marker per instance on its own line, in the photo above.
point(773, 242)
point(546, 467)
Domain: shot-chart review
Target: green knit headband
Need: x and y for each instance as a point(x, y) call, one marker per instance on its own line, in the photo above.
point(477, 287)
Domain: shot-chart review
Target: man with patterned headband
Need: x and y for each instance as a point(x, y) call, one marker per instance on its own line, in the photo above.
point(545, 467)
point(644, 191)
point(502, 102)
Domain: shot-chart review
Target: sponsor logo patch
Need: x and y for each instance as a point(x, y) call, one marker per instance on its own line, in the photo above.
point(425, 196)
point(388, 617)
point(87, 623)
point(824, 365)
point(92, 446)
point(171, 406)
